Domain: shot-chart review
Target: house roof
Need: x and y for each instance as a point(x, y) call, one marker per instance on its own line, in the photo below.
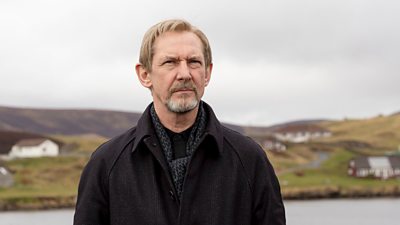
point(3, 171)
point(361, 162)
point(377, 162)
point(395, 161)
point(30, 142)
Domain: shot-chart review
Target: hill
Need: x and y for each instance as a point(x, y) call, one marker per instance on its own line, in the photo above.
point(377, 133)
point(380, 132)
point(314, 169)
point(67, 122)
point(72, 122)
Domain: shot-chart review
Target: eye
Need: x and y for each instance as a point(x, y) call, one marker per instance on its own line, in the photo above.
point(168, 62)
point(195, 63)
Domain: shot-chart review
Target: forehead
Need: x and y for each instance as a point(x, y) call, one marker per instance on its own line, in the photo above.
point(181, 44)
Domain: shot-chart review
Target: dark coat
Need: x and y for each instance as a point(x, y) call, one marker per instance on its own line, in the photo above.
point(229, 180)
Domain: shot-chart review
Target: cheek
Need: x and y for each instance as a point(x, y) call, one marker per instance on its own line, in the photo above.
point(200, 85)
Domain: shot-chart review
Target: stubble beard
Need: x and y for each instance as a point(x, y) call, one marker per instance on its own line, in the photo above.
point(182, 104)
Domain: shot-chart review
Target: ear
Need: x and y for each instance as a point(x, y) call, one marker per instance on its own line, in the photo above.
point(143, 75)
point(208, 74)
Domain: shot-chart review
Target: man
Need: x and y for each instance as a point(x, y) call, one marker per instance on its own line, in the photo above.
point(179, 165)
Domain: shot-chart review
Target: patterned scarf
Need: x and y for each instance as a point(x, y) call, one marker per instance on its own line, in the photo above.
point(178, 166)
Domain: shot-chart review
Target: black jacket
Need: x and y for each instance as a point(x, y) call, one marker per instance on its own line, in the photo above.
point(229, 180)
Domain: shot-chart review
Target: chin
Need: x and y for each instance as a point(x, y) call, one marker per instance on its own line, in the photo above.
point(182, 105)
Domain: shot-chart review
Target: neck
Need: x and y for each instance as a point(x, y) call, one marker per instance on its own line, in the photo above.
point(176, 122)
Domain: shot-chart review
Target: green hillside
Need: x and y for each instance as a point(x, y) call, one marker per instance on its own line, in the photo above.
point(382, 133)
point(316, 169)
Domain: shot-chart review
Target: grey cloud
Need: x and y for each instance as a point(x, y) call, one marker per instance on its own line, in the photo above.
point(300, 53)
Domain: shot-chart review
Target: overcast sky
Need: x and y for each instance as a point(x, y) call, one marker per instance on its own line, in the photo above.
point(274, 60)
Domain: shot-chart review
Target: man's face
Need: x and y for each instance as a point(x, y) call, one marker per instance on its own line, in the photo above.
point(179, 74)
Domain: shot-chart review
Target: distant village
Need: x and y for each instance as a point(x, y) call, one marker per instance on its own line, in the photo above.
point(381, 167)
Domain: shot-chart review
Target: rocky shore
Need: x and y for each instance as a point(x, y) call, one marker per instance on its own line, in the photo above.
point(37, 203)
point(329, 192)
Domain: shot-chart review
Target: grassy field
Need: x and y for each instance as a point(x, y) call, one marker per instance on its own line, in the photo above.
point(383, 132)
point(52, 182)
point(42, 183)
point(44, 176)
point(81, 143)
point(331, 180)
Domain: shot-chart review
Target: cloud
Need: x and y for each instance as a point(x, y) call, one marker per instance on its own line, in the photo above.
point(274, 60)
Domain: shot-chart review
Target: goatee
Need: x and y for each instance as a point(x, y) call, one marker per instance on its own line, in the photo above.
point(184, 103)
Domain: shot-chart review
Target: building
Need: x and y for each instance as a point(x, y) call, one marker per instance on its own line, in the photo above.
point(6, 178)
point(382, 167)
point(272, 144)
point(31, 148)
point(9, 138)
point(299, 133)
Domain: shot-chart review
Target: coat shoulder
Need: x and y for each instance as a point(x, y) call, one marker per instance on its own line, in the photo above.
point(242, 144)
point(110, 150)
point(251, 156)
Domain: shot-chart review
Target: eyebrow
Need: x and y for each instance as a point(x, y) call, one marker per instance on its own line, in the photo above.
point(197, 57)
point(169, 57)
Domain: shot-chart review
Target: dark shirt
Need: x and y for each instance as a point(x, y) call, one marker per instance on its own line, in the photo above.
point(178, 142)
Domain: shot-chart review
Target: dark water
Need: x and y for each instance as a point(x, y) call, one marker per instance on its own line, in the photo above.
point(320, 212)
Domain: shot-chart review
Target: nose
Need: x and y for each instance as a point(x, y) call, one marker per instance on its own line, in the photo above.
point(183, 72)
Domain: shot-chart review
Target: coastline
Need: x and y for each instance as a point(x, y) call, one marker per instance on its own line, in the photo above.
point(336, 192)
point(37, 203)
point(294, 193)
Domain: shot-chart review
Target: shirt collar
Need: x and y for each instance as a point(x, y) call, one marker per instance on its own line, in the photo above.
point(144, 128)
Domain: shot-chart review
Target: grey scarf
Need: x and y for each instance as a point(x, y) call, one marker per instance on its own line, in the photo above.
point(178, 166)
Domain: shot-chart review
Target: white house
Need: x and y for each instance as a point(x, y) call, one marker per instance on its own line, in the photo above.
point(382, 167)
point(299, 133)
point(272, 144)
point(30, 148)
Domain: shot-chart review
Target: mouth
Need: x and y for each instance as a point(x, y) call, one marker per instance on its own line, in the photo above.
point(184, 90)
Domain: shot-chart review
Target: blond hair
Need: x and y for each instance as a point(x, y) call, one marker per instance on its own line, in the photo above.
point(175, 25)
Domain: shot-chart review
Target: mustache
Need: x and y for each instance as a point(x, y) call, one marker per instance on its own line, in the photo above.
point(183, 86)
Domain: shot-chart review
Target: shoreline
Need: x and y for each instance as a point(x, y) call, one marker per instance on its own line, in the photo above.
point(37, 203)
point(304, 194)
point(337, 192)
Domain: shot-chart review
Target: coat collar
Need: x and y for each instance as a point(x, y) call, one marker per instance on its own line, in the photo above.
point(144, 128)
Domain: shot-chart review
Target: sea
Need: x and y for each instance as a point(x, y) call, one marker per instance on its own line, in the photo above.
point(382, 211)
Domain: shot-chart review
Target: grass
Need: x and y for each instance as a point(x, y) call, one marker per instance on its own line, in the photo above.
point(82, 143)
point(332, 177)
point(49, 182)
point(45, 177)
point(294, 156)
point(58, 177)
point(382, 132)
